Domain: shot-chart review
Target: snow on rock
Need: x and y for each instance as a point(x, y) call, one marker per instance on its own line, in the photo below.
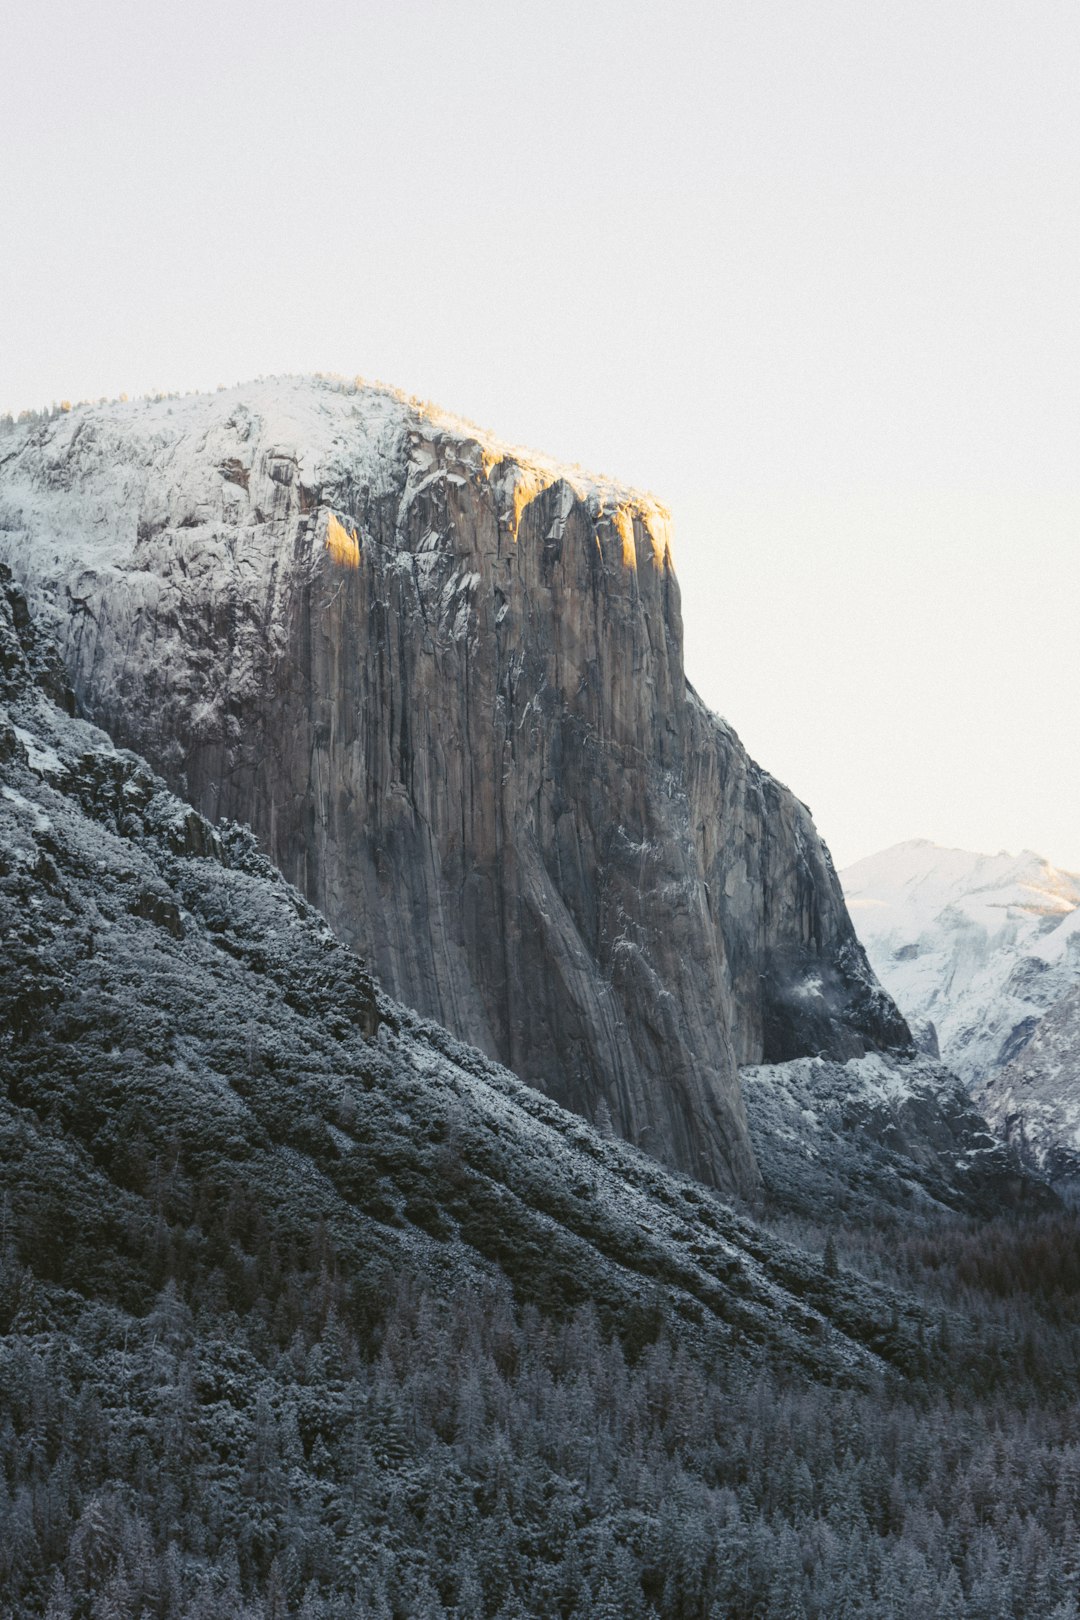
point(978, 946)
point(1034, 1101)
point(874, 1133)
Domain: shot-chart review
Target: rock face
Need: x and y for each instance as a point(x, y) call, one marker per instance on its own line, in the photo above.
point(443, 682)
point(1034, 1100)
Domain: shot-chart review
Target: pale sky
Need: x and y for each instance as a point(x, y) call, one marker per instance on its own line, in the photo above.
point(811, 272)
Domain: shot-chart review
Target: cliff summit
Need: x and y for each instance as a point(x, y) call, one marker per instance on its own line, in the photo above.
point(443, 681)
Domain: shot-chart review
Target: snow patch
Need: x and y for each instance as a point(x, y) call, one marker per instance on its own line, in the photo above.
point(40, 757)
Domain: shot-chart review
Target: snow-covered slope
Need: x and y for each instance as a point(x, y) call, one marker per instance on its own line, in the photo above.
point(978, 945)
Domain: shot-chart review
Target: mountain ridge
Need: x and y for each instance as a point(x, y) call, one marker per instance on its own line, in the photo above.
point(983, 951)
point(979, 945)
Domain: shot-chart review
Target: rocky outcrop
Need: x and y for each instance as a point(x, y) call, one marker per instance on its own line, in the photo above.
point(1033, 1101)
point(878, 1134)
point(444, 683)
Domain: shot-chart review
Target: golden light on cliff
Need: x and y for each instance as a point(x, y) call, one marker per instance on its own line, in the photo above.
point(623, 520)
point(343, 544)
point(634, 515)
point(632, 520)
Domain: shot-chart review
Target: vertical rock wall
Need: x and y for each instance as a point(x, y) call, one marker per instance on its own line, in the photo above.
point(444, 683)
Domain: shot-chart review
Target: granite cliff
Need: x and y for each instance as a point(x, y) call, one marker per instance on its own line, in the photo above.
point(443, 681)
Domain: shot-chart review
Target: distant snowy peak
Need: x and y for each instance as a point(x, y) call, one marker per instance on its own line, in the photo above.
point(979, 945)
point(912, 883)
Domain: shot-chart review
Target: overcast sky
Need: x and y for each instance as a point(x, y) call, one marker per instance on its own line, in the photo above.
point(808, 271)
